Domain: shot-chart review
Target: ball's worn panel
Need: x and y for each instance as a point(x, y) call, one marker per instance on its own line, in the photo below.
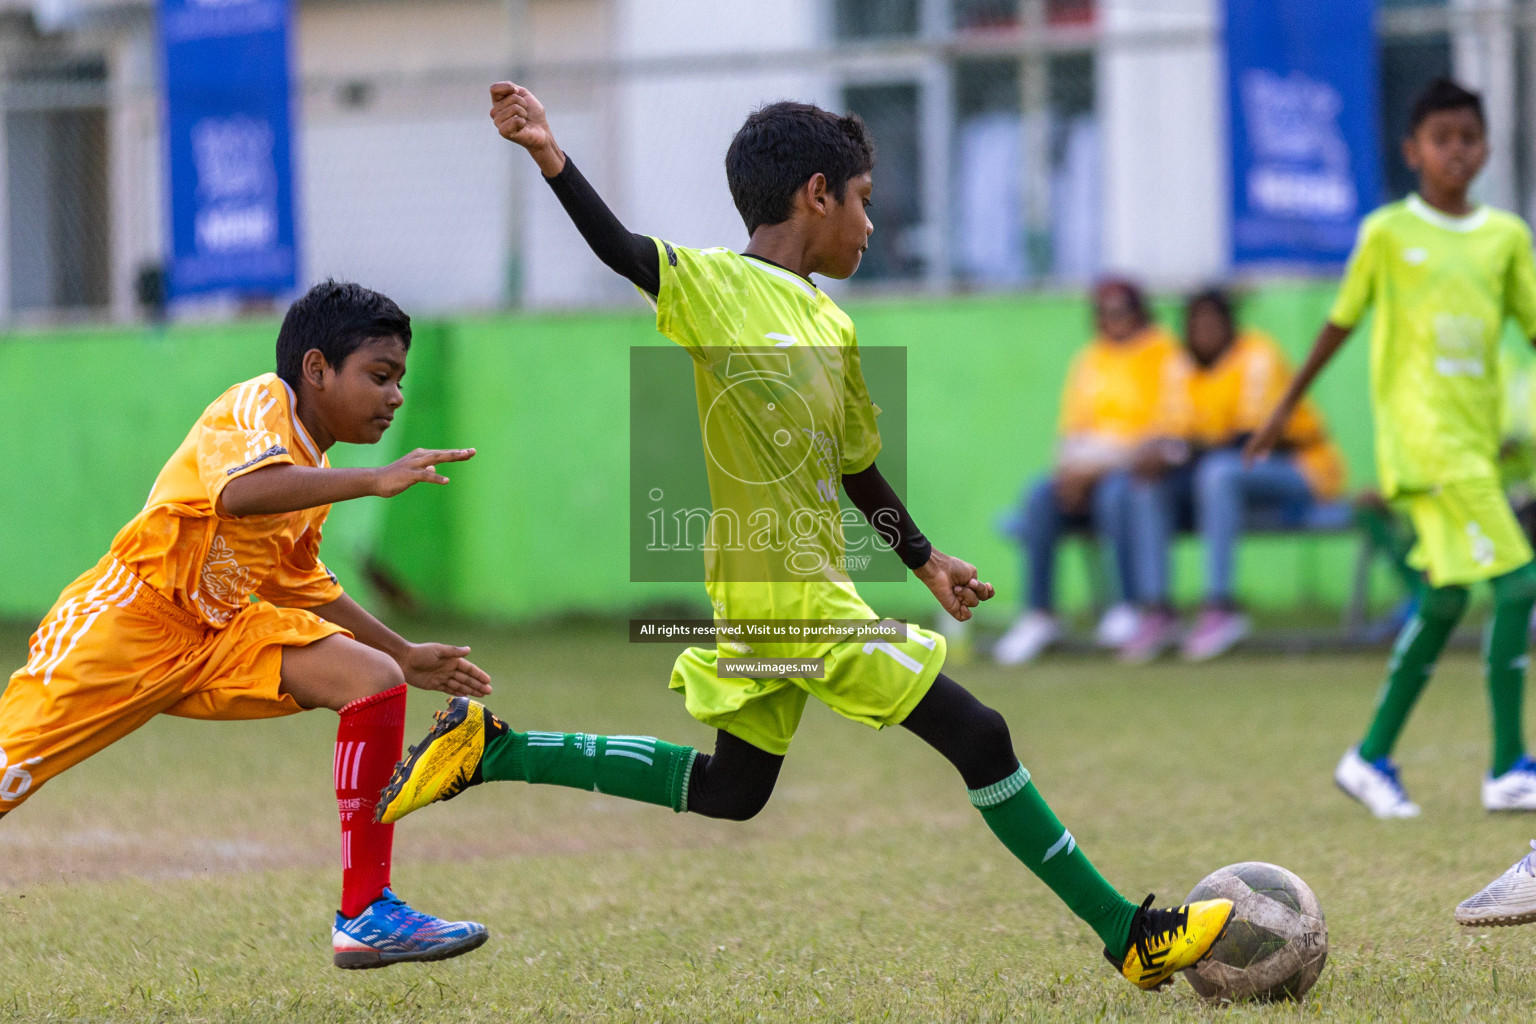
point(1276, 944)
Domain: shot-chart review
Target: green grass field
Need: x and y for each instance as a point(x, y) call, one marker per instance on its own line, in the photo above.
point(187, 874)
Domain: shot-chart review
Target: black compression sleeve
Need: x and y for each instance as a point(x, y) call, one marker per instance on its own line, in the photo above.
point(630, 255)
point(872, 495)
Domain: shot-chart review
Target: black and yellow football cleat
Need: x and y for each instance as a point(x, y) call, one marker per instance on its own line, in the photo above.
point(1164, 942)
point(442, 765)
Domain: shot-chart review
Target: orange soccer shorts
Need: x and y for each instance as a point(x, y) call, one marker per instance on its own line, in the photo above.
point(112, 654)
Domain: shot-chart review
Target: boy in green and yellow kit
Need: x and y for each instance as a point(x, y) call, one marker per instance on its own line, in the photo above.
point(1442, 275)
point(788, 425)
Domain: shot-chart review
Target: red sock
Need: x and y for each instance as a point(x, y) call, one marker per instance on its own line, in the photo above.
point(368, 740)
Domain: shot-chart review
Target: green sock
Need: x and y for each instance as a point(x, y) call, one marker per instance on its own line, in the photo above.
point(639, 768)
point(1019, 816)
point(1413, 659)
point(1514, 594)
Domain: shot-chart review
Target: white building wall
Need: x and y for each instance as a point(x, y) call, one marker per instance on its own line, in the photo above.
point(402, 179)
point(1165, 188)
point(556, 268)
point(677, 125)
point(653, 142)
point(134, 168)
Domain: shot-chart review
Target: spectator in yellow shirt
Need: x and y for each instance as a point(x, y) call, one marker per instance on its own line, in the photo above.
point(1238, 377)
point(1126, 392)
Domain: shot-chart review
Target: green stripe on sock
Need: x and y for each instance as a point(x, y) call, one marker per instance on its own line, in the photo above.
point(680, 803)
point(640, 768)
point(991, 796)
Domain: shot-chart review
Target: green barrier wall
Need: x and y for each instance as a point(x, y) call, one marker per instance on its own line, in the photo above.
point(534, 526)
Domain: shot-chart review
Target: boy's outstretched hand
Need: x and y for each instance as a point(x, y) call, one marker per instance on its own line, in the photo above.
point(520, 118)
point(953, 581)
point(443, 667)
point(419, 467)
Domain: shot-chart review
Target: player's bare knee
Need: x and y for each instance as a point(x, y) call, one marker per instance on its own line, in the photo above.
point(380, 672)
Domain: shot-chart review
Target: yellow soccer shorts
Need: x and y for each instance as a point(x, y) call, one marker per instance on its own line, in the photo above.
point(1466, 533)
point(112, 654)
point(877, 683)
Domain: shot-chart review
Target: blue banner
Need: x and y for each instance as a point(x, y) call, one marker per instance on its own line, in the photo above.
point(227, 146)
point(1301, 100)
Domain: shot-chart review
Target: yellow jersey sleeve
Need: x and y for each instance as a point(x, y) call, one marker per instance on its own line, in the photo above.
point(1263, 380)
point(245, 430)
point(861, 434)
point(1077, 397)
point(699, 306)
point(1357, 289)
point(300, 579)
point(1520, 288)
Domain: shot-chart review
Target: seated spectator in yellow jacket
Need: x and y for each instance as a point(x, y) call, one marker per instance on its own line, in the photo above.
point(1238, 378)
point(1127, 389)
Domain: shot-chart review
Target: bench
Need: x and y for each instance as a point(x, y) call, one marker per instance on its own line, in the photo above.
point(1332, 518)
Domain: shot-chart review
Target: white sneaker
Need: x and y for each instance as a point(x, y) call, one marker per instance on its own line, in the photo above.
point(1508, 899)
point(1032, 634)
point(1118, 626)
point(1375, 785)
point(1515, 790)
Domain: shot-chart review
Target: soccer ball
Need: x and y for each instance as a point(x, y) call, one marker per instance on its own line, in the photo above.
point(1274, 946)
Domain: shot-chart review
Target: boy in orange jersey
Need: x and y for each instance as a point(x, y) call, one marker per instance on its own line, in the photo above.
point(169, 621)
point(1237, 378)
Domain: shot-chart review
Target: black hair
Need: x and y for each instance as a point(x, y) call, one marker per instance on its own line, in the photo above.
point(781, 146)
point(1215, 297)
point(1444, 94)
point(1134, 296)
point(337, 318)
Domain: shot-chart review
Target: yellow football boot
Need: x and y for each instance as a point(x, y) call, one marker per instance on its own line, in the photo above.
point(1164, 942)
point(442, 765)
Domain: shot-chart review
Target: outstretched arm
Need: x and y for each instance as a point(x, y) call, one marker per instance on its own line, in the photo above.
point(520, 118)
point(952, 580)
point(289, 488)
point(429, 666)
point(1329, 340)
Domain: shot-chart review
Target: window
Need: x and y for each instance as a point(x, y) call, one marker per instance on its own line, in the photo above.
point(896, 249)
point(56, 164)
point(1026, 192)
point(877, 19)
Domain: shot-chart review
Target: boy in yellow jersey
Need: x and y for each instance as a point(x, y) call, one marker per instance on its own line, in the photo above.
point(212, 603)
point(800, 177)
point(1236, 379)
point(1442, 275)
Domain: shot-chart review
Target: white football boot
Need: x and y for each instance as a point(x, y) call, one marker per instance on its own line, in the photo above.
point(1515, 790)
point(1508, 899)
point(1029, 637)
point(1118, 625)
point(1374, 783)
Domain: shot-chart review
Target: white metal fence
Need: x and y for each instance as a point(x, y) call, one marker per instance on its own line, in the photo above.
point(1010, 151)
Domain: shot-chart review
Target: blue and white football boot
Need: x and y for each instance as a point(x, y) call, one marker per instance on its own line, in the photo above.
point(1375, 784)
point(390, 932)
point(1515, 790)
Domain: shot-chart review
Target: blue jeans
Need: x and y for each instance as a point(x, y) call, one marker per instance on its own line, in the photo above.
point(1212, 495)
point(1045, 522)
